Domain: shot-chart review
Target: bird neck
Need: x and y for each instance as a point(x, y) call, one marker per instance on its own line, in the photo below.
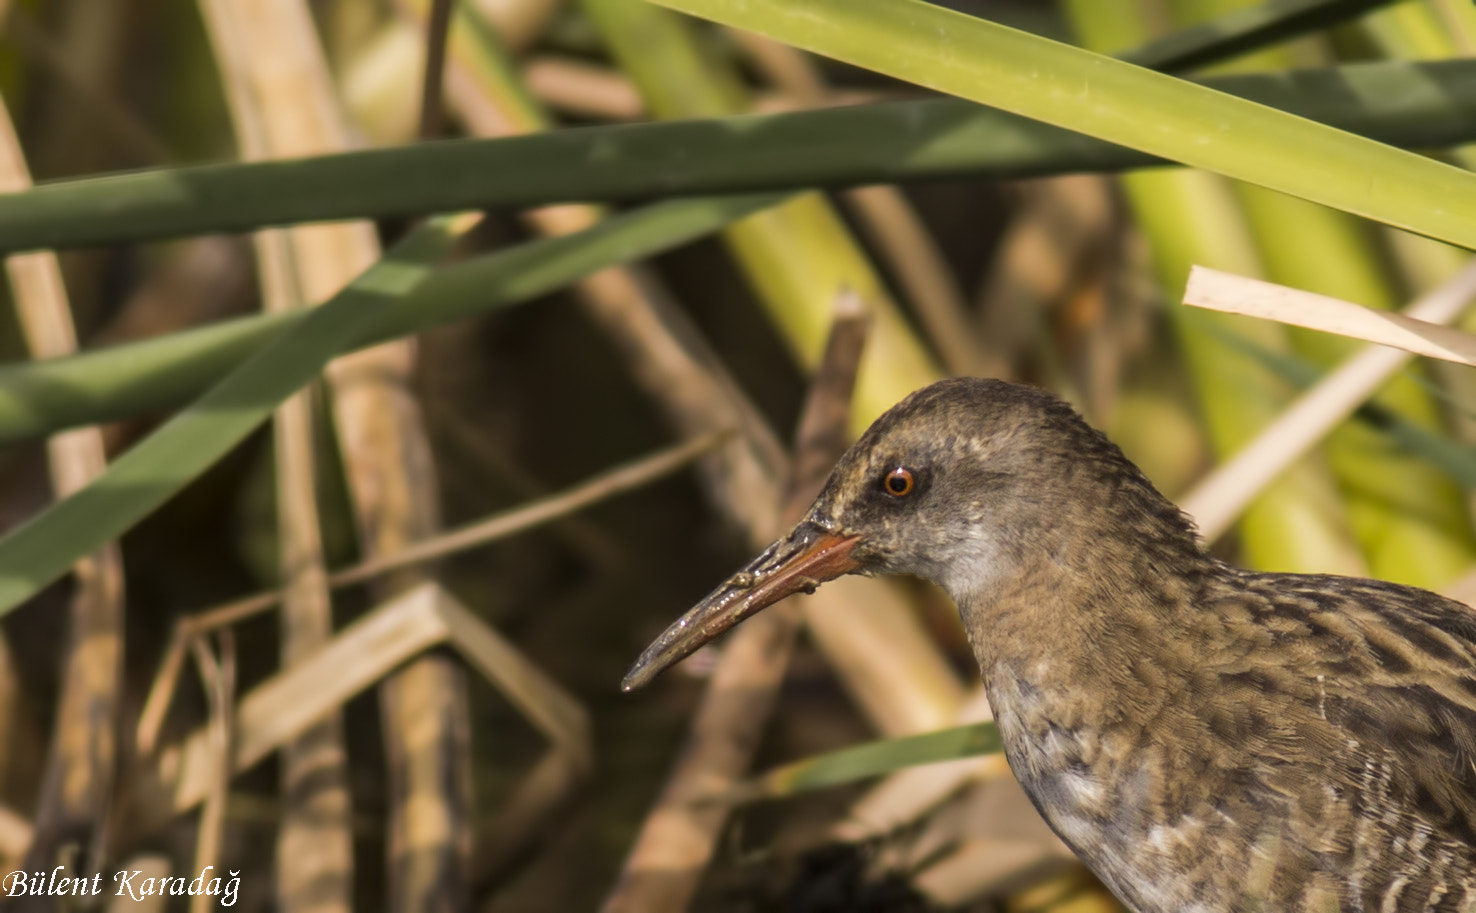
point(1088, 599)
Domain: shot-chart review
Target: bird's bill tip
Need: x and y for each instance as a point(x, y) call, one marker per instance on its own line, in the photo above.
point(801, 561)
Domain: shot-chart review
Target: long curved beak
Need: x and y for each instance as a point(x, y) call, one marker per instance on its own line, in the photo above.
point(801, 561)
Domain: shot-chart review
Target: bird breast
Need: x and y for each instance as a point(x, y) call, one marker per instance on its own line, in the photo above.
point(1095, 787)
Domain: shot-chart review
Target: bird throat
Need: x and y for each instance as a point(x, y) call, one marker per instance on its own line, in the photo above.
point(1081, 659)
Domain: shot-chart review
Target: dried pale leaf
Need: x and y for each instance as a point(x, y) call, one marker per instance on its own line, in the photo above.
point(1230, 294)
point(1217, 501)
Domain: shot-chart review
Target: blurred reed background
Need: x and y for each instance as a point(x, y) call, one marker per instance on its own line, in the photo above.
point(367, 654)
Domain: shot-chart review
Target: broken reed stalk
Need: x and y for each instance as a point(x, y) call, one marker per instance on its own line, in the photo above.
point(679, 835)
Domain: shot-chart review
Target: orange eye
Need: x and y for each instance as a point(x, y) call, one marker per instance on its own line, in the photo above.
point(898, 482)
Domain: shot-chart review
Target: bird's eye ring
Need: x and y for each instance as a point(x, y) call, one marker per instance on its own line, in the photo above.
point(899, 482)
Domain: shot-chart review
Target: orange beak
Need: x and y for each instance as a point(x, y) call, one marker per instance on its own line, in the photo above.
point(801, 561)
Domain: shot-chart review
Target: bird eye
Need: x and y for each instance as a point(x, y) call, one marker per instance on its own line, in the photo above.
point(898, 483)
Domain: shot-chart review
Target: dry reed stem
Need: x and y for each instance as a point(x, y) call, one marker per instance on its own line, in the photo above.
point(218, 678)
point(314, 843)
point(391, 483)
point(582, 88)
point(314, 846)
point(431, 109)
point(314, 850)
point(623, 478)
point(679, 835)
point(77, 784)
point(423, 707)
point(1219, 499)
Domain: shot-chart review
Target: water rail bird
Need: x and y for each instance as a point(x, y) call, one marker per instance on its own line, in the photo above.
point(1204, 737)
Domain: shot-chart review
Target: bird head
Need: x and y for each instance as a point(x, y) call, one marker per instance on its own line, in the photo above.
point(960, 483)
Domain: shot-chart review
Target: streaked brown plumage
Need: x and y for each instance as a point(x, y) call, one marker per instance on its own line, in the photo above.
point(1205, 738)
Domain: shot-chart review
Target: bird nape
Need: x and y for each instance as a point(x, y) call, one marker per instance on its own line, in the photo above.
point(1204, 737)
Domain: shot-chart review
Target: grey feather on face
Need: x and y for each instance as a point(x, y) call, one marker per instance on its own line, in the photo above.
point(999, 470)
